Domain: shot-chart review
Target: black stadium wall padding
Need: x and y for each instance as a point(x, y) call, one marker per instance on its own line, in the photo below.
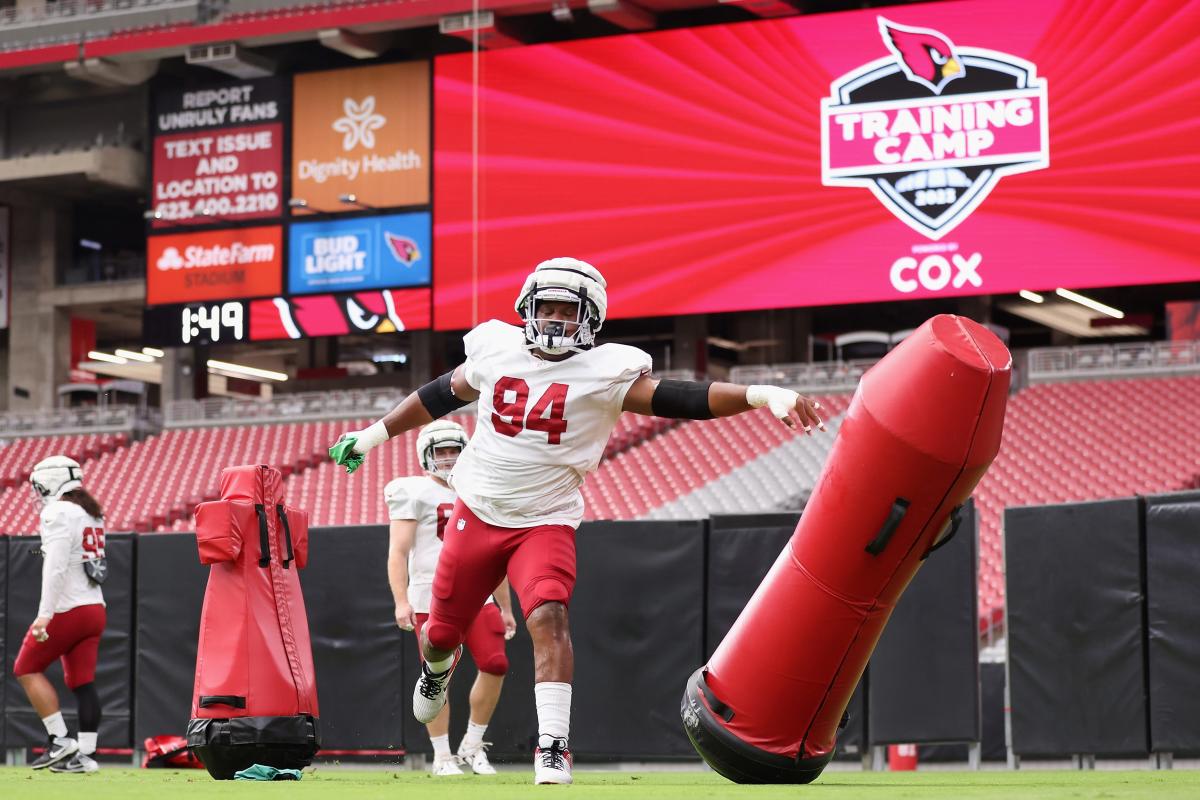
point(1173, 623)
point(1077, 674)
point(170, 593)
point(925, 670)
point(741, 549)
point(5, 664)
point(637, 627)
point(358, 651)
point(21, 723)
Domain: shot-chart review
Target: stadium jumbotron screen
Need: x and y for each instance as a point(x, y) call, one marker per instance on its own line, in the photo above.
point(826, 159)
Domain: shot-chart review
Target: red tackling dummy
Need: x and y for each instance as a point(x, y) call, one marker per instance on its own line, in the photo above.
point(255, 700)
point(920, 433)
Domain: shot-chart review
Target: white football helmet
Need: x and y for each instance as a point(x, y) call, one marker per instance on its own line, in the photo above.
point(438, 434)
point(568, 280)
point(55, 476)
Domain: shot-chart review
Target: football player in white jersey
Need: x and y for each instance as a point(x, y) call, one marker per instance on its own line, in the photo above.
point(549, 398)
point(71, 614)
point(419, 508)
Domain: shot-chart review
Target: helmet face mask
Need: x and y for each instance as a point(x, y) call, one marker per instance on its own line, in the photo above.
point(563, 280)
point(439, 444)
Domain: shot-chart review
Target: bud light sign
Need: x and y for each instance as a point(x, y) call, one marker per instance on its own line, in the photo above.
point(361, 253)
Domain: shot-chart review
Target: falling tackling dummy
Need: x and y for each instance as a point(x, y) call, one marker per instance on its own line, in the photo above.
point(549, 397)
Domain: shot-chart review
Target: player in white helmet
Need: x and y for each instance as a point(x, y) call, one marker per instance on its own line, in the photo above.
point(71, 613)
point(419, 508)
point(549, 398)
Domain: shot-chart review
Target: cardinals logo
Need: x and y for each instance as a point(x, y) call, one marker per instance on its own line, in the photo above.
point(931, 128)
point(403, 249)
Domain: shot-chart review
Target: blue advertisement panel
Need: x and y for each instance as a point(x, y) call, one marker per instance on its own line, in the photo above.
point(361, 253)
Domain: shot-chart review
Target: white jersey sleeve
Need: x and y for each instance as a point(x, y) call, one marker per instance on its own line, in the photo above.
point(623, 365)
point(69, 537)
point(401, 503)
point(482, 343)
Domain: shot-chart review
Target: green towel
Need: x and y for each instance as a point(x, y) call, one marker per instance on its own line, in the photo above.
point(260, 773)
point(343, 453)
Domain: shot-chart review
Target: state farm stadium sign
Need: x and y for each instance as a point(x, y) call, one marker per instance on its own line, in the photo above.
point(204, 169)
point(214, 265)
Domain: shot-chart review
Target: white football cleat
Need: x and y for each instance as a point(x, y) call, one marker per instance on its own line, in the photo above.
point(78, 763)
point(429, 695)
point(445, 766)
point(551, 761)
point(61, 747)
point(476, 758)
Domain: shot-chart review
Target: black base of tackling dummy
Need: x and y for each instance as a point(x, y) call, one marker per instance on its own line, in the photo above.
point(227, 746)
point(730, 756)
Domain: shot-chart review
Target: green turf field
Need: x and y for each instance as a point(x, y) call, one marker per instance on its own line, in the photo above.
point(129, 784)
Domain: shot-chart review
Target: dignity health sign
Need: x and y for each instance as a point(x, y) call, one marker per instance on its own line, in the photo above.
point(362, 131)
point(361, 253)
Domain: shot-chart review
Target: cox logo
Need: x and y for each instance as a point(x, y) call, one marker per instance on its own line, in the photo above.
point(936, 272)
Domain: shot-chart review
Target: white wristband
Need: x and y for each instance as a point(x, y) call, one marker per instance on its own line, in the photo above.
point(758, 396)
point(373, 435)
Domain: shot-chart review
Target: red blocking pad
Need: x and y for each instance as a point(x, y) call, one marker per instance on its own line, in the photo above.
point(255, 698)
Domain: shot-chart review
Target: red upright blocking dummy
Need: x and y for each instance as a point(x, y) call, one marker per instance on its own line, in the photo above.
point(255, 700)
point(920, 433)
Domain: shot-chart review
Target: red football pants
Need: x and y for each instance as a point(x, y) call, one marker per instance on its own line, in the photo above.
point(539, 562)
point(74, 637)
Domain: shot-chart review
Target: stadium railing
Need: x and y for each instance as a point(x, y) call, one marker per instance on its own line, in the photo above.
point(1083, 362)
point(817, 377)
point(298, 407)
point(111, 419)
point(44, 23)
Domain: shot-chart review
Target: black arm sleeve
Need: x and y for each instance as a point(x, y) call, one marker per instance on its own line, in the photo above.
point(438, 397)
point(681, 400)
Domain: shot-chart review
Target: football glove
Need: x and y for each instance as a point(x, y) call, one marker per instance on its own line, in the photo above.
point(350, 448)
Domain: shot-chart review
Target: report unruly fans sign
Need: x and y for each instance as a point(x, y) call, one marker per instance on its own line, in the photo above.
point(362, 131)
point(227, 174)
point(218, 152)
point(931, 128)
point(214, 265)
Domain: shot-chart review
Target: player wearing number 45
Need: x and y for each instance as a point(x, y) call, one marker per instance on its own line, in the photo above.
point(549, 398)
point(419, 508)
point(70, 615)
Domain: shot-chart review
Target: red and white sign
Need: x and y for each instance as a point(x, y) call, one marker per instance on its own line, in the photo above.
point(214, 265)
point(227, 174)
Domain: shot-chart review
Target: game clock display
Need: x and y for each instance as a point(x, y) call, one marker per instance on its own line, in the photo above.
point(283, 317)
point(196, 323)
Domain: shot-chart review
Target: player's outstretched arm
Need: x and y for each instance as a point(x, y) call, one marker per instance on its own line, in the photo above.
point(709, 399)
point(434, 400)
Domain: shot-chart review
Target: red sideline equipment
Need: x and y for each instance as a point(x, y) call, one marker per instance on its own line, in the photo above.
point(255, 699)
point(920, 433)
point(168, 751)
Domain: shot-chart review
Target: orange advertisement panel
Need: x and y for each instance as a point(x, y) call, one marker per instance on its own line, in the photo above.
point(361, 131)
point(214, 265)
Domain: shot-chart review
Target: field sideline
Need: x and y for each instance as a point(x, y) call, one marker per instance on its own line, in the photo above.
point(131, 784)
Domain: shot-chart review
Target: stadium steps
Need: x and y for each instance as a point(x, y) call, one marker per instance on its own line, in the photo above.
point(775, 480)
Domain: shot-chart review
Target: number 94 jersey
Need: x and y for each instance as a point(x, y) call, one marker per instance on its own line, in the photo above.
point(542, 425)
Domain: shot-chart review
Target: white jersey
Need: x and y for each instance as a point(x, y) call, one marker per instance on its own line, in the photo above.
point(542, 425)
point(69, 537)
point(430, 504)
